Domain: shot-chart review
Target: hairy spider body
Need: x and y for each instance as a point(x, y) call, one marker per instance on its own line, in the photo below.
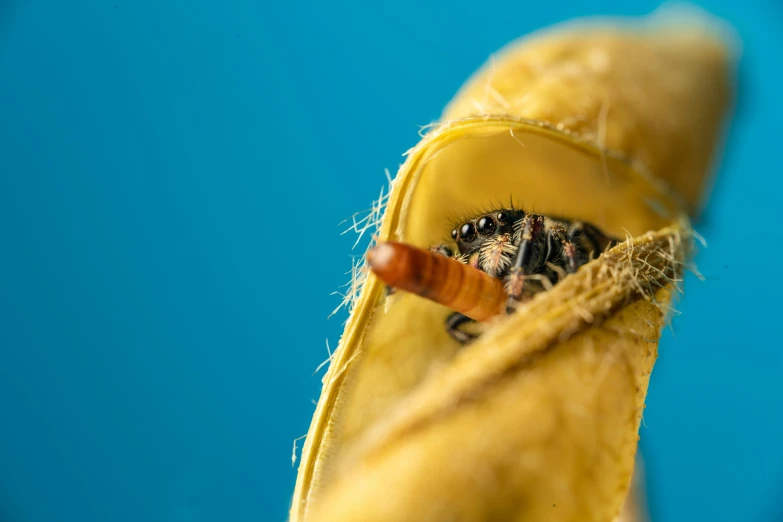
point(528, 252)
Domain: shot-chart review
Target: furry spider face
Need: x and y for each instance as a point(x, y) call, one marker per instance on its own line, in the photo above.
point(488, 241)
point(473, 234)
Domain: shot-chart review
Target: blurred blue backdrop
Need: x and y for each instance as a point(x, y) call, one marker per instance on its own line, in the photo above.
point(172, 176)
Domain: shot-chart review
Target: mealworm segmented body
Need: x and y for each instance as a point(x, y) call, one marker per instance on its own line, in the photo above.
point(444, 280)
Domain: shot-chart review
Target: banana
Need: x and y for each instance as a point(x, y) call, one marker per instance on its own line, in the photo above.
point(614, 122)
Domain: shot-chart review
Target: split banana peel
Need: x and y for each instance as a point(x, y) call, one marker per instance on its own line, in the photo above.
point(613, 122)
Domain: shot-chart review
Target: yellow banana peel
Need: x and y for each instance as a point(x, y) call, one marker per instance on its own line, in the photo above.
point(614, 122)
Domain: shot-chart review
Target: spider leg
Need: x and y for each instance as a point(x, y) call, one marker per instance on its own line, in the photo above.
point(526, 260)
point(453, 323)
point(571, 257)
point(558, 251)
point(592, 241)
point(566, 256)
point(579, 244)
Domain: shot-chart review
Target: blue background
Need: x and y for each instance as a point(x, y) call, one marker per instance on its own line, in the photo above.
point(172, 177)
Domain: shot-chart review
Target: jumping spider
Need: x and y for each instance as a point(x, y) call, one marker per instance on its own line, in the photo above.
point(528, 252)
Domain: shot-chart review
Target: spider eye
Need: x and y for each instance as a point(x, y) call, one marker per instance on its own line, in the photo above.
point(486, 225)
point(502, 217)
point(467, 232)
point(454, 234)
